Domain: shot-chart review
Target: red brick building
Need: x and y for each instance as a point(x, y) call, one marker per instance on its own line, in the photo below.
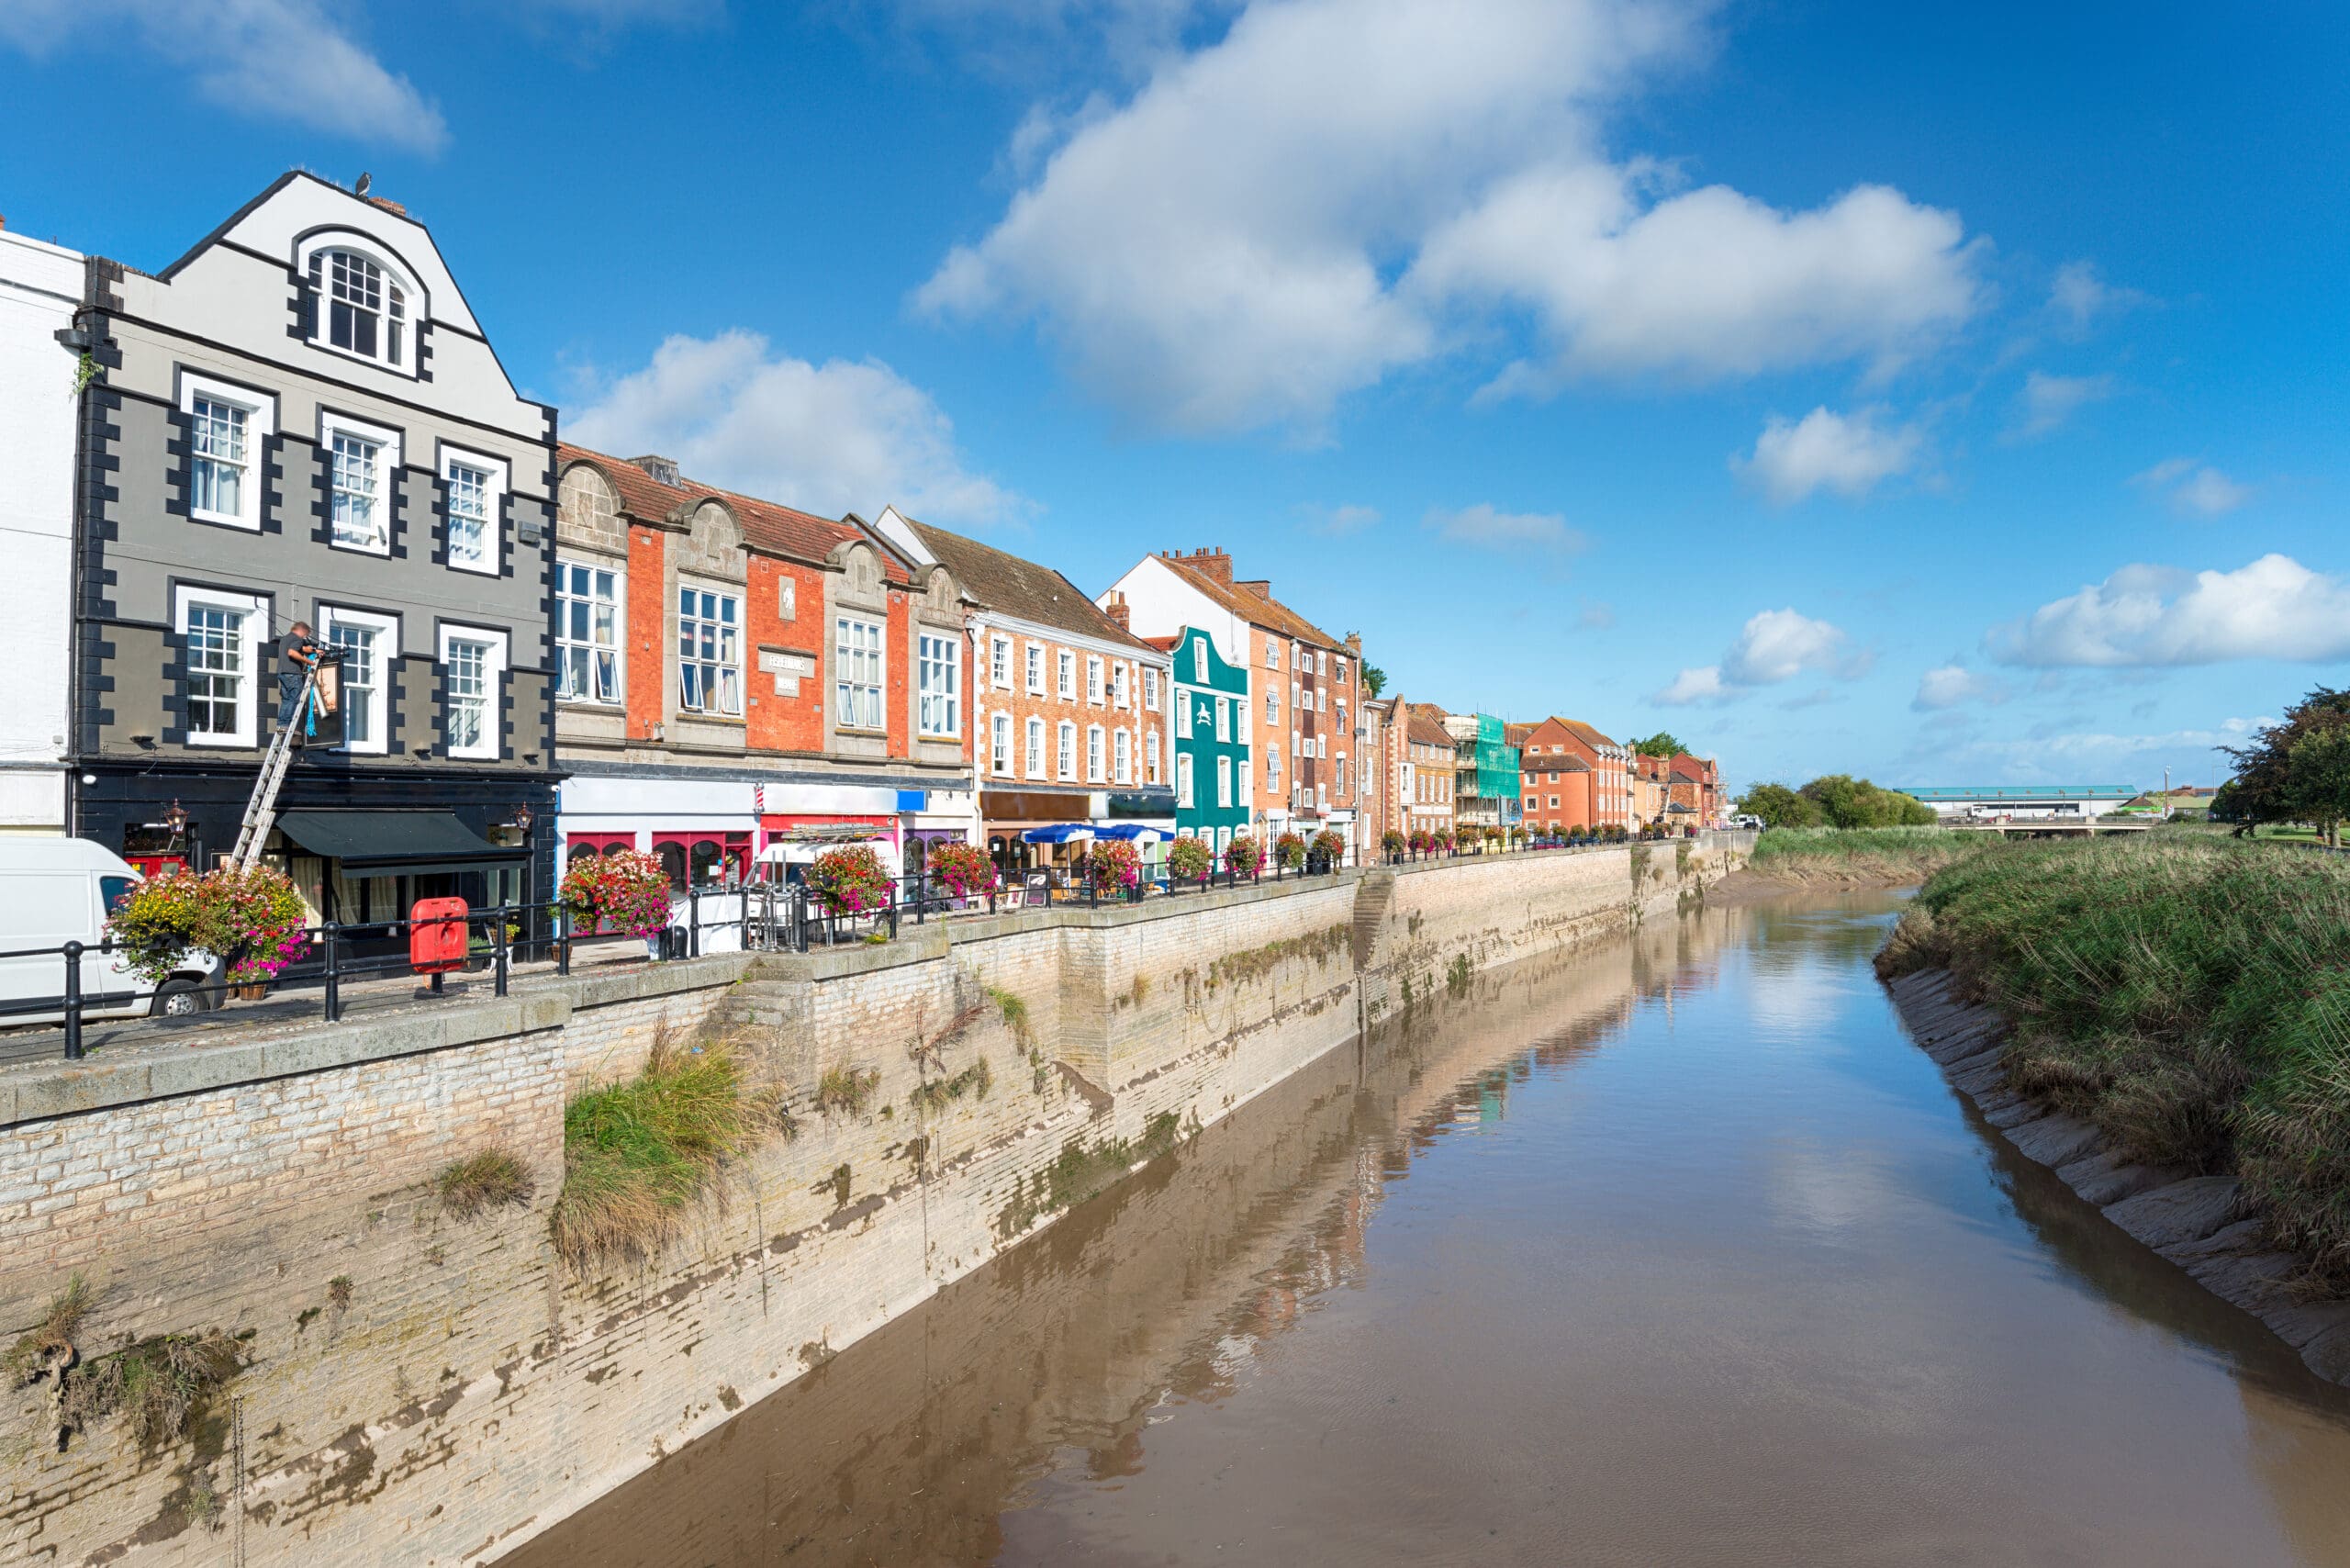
point(1602, 796)
point(734, 673)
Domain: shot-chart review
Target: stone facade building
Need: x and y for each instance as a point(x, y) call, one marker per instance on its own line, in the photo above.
point(301, 419)
point(736, 675)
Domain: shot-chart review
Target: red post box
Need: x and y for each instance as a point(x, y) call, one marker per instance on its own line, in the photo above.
point(436, 935)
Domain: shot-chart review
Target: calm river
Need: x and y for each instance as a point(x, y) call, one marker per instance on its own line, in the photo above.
point(1673, 1251)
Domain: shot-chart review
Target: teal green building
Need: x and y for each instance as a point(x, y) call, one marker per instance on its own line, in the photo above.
point(1211, 716)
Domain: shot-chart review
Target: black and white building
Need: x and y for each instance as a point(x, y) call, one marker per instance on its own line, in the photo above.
point(300, 420)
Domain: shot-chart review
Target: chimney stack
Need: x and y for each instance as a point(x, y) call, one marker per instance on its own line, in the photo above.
point(1119, 610)
point(1210, 561)
point(662, 468)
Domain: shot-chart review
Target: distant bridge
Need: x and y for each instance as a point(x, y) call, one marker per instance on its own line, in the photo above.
point(2030, 827)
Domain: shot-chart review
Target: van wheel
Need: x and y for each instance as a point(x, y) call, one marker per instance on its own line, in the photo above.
point(178, 999)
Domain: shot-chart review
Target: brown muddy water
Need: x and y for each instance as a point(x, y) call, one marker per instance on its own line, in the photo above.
point(1671, 1251)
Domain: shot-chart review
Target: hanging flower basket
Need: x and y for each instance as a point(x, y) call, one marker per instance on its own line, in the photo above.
point(254, 920)
point(624, 892)
point(1328, 847)
point(1190, 859)
point(850, 880)
point(1114, 865)
point(1244, 857)
point(963, 869)
point(1288, 852)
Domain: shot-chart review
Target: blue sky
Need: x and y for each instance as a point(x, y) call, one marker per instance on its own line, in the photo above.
point(1949, 395)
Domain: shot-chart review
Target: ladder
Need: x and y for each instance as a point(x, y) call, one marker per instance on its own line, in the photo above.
point(261, 811)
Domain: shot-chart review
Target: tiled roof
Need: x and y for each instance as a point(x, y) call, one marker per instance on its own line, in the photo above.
point(1581, 731)
point(1689, 767)
point(1260, 609)
point(1425, 731)
point(1005, 582)
point(1557, 762)
point(767, 526)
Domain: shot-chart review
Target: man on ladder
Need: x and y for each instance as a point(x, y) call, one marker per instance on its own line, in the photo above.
point(309, 712)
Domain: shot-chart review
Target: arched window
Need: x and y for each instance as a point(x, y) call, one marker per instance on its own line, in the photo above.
point(362, 309)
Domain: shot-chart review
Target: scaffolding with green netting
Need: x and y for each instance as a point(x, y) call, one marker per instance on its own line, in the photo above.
point(1498, 777)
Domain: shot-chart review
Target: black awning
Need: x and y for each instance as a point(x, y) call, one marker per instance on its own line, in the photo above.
point(394, 843)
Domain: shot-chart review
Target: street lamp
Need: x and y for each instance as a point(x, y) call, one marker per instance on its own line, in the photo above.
point(176, 818)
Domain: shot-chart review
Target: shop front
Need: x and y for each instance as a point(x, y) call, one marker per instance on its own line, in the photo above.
point(1008, 817)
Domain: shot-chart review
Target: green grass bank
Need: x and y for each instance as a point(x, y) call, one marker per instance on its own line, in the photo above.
point(2189, 993)
point(1857, 856)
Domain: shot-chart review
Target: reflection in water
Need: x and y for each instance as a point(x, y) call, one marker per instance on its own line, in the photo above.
point(1671, 1250)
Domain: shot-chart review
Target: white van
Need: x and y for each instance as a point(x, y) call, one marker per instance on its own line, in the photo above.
point(55, 890)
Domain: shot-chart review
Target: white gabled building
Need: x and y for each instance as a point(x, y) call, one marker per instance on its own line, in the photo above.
point(40, 287)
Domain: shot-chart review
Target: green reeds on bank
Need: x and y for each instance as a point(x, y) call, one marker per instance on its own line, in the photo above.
point(1857, 853)
point(2189, 994)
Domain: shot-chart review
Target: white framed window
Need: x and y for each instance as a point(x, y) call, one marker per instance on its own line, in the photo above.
point(999, 663)
point(1200, 660)
point(371, 646)
point(1223, 781)
point(1150, 688)
point(475, 487)
point(709, 652)
point(1183, 782)
point(1093, 754)
point(1273, 767)
point(227, 426)
point(1122, 761)
point(1093, 679)
point(1037, 764)
point(1272, 707)
point(999, 744)
point(1121, 688)
point(1150, 758)
point(1068, 676)
point(362, 305)
point(1341, 780)
point(588, 633)
point(1223, 719)
point(939, 671)
point(1182, 716)
point(1035, 655)
point(362, 461)
point(857, 673)
point(473, 669)
point(1338, 668)
point(223, 635)
point(1066, 762)
point(1272, 655)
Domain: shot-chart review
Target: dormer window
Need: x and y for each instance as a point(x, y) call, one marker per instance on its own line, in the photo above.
point(362, 309)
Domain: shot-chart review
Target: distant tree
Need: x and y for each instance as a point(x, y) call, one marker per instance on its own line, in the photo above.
point(2263, 789)
point(1665, 742)
point(1846, 802)
point(1374, 680)
point(1779, 806)
point(2317, 784)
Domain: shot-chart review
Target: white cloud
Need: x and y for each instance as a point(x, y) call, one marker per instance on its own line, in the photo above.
point(2047, 401)
point(1336, 522)
point(1849, 454)
point(269, 58)
point(1702, 684)
point(2273, 609)
point(2078, 296)
point(1484, 524)
point(2066, 752)
point(1948, 686)
point(2193, 487)
point(1776, 645)
point(1335, 189)
point(837, 437)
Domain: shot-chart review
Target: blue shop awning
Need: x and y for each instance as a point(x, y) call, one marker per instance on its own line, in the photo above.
point(1058, 833)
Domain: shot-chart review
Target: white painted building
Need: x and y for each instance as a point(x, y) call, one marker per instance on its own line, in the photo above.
point(39, 287)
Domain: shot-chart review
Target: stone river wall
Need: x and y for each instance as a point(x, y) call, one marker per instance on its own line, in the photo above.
point(418, 1388)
